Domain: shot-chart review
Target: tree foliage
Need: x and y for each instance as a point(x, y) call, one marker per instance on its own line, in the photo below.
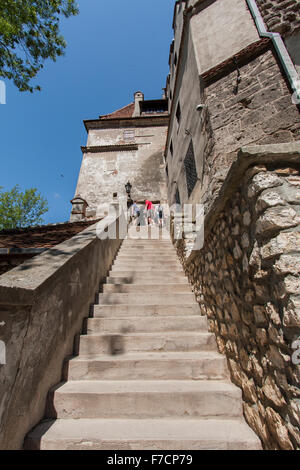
point(29, 34)
point(21, 209)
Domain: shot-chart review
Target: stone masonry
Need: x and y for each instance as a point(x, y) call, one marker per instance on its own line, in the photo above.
point(231, 92)
point(281, 16)
point(257, 110)
point(247, 280)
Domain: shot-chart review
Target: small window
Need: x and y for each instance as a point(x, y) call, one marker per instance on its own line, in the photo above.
point(171, 96)
point(167, 171)
point(129, 135)
point(171, 148)
point(190, 169)
point(178, 113)
point(177, 196)
point(175, 59)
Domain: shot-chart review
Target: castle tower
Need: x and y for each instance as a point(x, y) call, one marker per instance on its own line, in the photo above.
point(126, 145)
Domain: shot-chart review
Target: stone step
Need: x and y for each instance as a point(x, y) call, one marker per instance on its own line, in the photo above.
point(146, 324)
point(147, 288)
point(167, 249)
point(147, 254)
point(146, 342)
point(145, 310)
point(206, 365)
point(145, 268)
point(147, 239)
point(147, 244)
point(140, 399)
point(146, 299)
point(133, 277)
point(147, 257)
point(142, 434)
point(140, 263)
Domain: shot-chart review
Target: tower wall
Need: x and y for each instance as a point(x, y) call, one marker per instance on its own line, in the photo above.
point(120, 152)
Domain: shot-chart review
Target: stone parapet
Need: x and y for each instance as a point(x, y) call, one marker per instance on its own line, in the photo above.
point(247, 281)
point(43, 304)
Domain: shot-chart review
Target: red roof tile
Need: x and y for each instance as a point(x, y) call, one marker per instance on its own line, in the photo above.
point(45, 236)
point(125, 112)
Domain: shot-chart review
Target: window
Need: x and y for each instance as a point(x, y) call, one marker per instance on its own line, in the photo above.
point(177, 196)
point(129, 135)
point(171, 148)
point(190, 169)
point(178, 113)
point(175, 59)
point(167, 171)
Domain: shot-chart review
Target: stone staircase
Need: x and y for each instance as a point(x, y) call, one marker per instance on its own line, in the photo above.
point(148, 374)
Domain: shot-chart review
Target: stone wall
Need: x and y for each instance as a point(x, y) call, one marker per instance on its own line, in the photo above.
point(247, 281)
point(43, 304)
point(280, 16)
point(247, 97)
point(257, 110)
point(109, 162)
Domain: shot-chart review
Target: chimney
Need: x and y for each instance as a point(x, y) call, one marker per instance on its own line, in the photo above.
point(79, 206)
point(138, 96)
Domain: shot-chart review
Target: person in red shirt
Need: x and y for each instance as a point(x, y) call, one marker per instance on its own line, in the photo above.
point(149, 209)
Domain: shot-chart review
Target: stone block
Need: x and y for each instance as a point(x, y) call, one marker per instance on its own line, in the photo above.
point(272, 392)
point(275, 219)
point(268, 199)
point(260, 315)
point(256, 422)
point(262, 181)
point(285, 242)
point(278, 429)
point(288, 264)
point(291, 313)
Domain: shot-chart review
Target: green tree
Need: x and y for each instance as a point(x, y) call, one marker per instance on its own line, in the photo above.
point(21, 209)
point(29, 34)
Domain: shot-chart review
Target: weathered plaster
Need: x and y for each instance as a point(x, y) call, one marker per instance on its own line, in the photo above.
point(221, 29)
point(104, 173)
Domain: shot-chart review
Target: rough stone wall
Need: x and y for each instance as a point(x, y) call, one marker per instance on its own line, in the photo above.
point(259, 111)
point(247, 280)
point(280, 16)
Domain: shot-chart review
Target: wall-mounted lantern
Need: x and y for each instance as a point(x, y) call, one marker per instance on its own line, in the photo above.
point(128, 188)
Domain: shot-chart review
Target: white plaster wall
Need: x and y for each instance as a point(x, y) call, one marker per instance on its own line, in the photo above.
point(105, 173)
point(221, 30)
point(177, 41)
point(189, 96)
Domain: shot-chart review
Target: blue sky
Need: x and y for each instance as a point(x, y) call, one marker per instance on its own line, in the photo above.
point(114, 49)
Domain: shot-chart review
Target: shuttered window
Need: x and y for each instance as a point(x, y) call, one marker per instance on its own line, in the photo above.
point(178, 113)
point(190, 169)
point(129, 135)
